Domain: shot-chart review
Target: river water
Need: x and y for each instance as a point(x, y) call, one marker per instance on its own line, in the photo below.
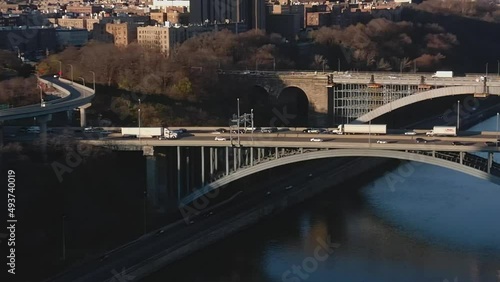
point(431, 224)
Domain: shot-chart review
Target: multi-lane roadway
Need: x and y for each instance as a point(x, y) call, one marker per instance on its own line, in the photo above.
point(466, 141)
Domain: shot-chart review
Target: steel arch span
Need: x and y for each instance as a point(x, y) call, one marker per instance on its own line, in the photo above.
point(425, 95)
point(336, 153)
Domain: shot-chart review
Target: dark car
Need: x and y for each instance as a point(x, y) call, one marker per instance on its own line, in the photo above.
point(421, 140)
point(221, 130)
point(457, 143)
point(491, 144)
point(182, 130)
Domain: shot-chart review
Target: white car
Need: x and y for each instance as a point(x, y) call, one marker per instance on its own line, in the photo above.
point(220, 138)
point(381, 142)
point(410, 133)
point(316, 140)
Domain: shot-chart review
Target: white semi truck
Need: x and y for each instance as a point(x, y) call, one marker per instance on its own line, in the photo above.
point(149, 132)
point(442, 74)
point(442, 131)
point(361, 129)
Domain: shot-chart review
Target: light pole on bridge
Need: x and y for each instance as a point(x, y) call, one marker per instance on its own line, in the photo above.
point(83, 80)
point(486, 71)
point(458, 116)
point(139, 118)
point(251, 116)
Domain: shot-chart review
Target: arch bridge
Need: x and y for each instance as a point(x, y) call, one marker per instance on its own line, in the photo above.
point(334, 98)
point(182, 171)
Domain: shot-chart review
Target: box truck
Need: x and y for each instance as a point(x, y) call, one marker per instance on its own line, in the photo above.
point(361, 129)
point(149, 132)
point(442, 131)
point(442, 74)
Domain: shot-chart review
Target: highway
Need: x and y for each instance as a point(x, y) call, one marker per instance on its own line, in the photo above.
point(396, 140)
point(75, 95)
point(469, 141)
point(379, 77)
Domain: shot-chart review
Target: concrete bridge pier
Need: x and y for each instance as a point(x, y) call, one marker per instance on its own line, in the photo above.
point(69, 115)
point(83, 116)
point(490, 161)
point(155, 184)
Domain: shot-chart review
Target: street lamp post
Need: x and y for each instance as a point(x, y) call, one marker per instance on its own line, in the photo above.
point(139, 118)
point(323, 66)
point(338, 61)
point(41, 95)
point(71, 71)
point(93, 76)
point(486, 71)
point(238, 100)
point(251, 116)
point(498, 67)
point(60, 68)
point(458, 115)
point(83, 80)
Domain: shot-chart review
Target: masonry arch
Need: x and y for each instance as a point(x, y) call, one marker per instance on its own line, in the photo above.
point(425, 95)
point(293, 101)
point(336, 154)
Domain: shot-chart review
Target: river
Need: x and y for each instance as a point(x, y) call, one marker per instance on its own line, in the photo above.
point(432, 224)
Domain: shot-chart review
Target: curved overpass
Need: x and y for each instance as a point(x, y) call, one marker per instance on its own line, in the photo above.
point(75, 95)
point(425, 95)
point(336, 154)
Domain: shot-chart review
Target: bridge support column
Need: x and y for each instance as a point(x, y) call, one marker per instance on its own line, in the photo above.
point(69, 115)
point(154, 192)
point(239, 157)
point(227, 160)
point(202, 166)
point(490, 161)
point(216, 159)
point(282, 151)
point(251, 156)
point(211, 162)
point(461, 157)
point(179, 173)
point(258, 154)
point(434, 154)
point(276, 152)
point(83, 116)
point(301, 150)
point(235, 157)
